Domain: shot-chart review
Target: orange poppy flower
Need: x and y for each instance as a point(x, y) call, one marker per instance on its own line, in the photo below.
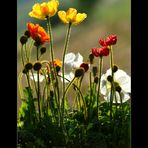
point(37, 31)
point(57, 62)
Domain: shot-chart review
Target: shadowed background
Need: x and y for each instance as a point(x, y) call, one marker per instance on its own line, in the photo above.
point(104, 17)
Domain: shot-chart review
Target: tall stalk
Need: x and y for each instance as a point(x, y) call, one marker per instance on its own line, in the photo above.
point(112, 85)
point(99, 76)
point(63, 59)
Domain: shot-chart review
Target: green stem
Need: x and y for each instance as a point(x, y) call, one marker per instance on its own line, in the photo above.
point(63, 59)
point(26, 53)
point(22, 56)
point(30, 49)
point(34, 82)
point(99, 76)
point(112, 74)
point(52, 61)
point(38, 84)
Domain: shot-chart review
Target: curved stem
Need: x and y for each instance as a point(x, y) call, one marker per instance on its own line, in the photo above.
point(63, 59)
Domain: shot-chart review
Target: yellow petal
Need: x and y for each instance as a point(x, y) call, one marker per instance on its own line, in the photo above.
point(53, 7)
point(62, 16)
point(71, 14)
point(79, 18)
point(44, 9)
point(36, 12)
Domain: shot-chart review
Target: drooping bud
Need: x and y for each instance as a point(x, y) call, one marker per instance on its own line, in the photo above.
point(85, 66)
point(27, 33)
point(43, 50)
point(28, 66)
point(37, 42)
point(23, 39)
point(57, 68)
point(118, 88)
point(110, 78)
point(37, 66)
point(24, 71)
point(114, 68)
point(79, 72)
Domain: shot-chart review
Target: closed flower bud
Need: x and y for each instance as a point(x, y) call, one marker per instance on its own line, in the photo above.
point(96, 79)
point(27, 33)
point(118, 88)
point(37, 42)
point(23, 39)
point(57, 68)
point(43, 50)
point(37, 66)
point(24, 71)
point(94, 70)
point(28, 66)
point(115, 68)
point(79, 72)
point(110, 78)
point(91, 58)
point(85, 66)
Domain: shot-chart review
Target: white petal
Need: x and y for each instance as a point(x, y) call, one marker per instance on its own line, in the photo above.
point(41, 77)
point(78, 60)
point(68, 77)
point(69, 57)
point(124, 96)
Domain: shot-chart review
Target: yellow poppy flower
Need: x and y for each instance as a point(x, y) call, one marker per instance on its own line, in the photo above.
point(71, 16)
point(41, 11)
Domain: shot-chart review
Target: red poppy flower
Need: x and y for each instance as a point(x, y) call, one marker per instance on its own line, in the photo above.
point(36, 31)
point(85, 66)
point(101, 42)
point(111, 40)
point(103, 51)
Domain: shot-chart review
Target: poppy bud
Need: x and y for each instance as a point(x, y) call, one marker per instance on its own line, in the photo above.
point(27, 33)
point(37, 42)
point(94, 70)
point(91, 58)
point(96, 79)
point(110, 78)
point(85, 66)
point(79, 72)
point(28, 66)
point(25, 71)
point(114, 68)
point(23, 39)
point(118, 88)
point(37, 66)
point(57, 68)
point(43, 50)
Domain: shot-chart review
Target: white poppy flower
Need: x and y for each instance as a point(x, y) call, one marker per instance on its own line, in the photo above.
point(41, 77)
point(122, 79)
point(72, 61)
